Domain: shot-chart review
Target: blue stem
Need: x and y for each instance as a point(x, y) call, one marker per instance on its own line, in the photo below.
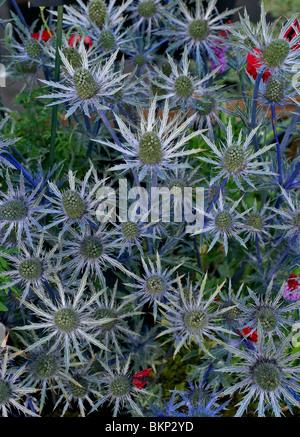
point(156, 46)
point(289, 182)
point(277, 143)
point(254, 105)
point(10, 158)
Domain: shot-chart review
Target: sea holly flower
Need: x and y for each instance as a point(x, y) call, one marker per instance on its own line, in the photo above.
point(20, 211)
point(31, 267)
point(291, 289)
point(271, 313)
point(256, 223)
point(45, 372)
point(266, 374)
point(131, 95)
point(107, 307)
point(67, 322)
point(277, 92)
point(157, 143)
point(79, 388)
point(235, 158)
point(73, 52)
point(233, 317)
point(93, 16)
point(119, 388)
point(222, 223)
point(76, 205)
point(12, 388)
point(27, 48)
point(91, 251)
point(130, 234)
point(208, 104)
point(278, 54)
point(89, 87)
point(146, 13)
point(200, 401)
point(155, 285)
point(198, 29)
point(180, 86)
point(193, 318)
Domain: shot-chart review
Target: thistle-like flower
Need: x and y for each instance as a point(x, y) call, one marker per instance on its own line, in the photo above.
point(236, 159)
point(192, 318)
point(148, 14)
point(199, 29)
point(108, 308)
point(233, 317)
point(94, 16)
point(278, 54)
point(157, 143)
point(80, 387)
point(119, 388)
point(266, 374)
point(181, 87)
point(131, 234)
point(44, 372)
point(20, 211)
point(271, 313)
point(69, 323)
point(90, 252)
point(89, 88)
point(31, 268)
point(155, 285)
point(256, 224)
point(76, 205)
point(222, 223)
point(12, 389)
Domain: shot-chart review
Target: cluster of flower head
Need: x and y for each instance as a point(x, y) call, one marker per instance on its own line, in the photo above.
point(92, 303)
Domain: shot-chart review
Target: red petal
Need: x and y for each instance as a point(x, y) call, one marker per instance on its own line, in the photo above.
point(140, 379)
point(252, 337)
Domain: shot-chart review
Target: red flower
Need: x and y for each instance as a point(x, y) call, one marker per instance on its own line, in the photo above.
point(45, 35)
point(291, 33)
point(140, 379)
point(87, 41)
point(292, 282)
point(254, 63)
point(225, 33)
point(252, 337)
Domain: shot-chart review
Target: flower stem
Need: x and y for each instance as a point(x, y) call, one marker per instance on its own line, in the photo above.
point(56, 79)
point(254, 105)
point(277, 142)
point(289, 182)
point(44, 19)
